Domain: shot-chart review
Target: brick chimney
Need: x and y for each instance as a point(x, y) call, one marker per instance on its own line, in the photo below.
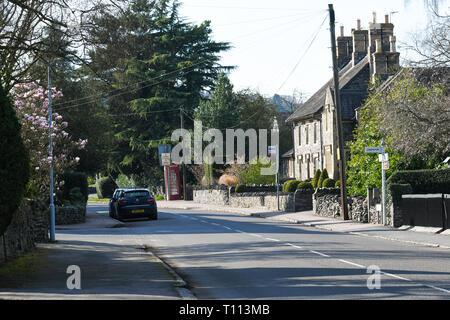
point(360, 43)
point(344, 48)
point(384, 60)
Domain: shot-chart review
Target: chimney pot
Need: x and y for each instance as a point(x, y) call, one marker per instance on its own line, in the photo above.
point(358, 24)
point(374, 17)
point(386, 18)
point(342, 31)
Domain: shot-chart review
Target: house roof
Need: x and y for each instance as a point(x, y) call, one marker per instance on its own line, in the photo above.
point(288, 154)
point(314, 104)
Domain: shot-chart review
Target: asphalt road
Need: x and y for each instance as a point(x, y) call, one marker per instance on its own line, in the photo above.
point(228, 256)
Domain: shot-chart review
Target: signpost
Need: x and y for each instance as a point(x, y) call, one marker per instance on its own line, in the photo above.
point(383, 157)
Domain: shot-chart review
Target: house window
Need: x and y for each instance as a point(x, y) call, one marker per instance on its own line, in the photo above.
point(307, 134)
point(315, 132)
point(299, 135)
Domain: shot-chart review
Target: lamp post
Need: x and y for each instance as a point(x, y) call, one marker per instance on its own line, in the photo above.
point(276, 130)
point(52, 204)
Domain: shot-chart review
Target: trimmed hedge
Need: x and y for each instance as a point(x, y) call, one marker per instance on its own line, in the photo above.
point(105, 187)
point(328, 183)
point(291, 185)
point(240, 188)
point(316, 178)
point(323, 177)
point(73, 180)
point(423, 181)
point(305, 185)
point(396, 190)
point(14, 162)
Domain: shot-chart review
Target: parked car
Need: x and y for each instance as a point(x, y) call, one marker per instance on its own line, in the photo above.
point(133, 203)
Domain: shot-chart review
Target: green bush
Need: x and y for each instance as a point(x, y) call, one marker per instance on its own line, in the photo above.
point(322, 178)
point(125, 182)
point(328, 183)
point(423, 181)
point(240, 188)
point(396, 190)
point(316, 178)
point(14, 162)
point(291, 185)
point(76, 197)
point(305, 185)
point(337, 184)
point(73, 180)
point(252, 175)
point(105, 187)
point(160, 197)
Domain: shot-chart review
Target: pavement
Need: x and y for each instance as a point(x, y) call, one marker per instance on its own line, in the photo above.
point(104, 267)
point(417, 235)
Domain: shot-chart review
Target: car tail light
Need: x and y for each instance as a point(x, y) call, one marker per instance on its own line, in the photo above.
point(123, 201)
point(150, 200)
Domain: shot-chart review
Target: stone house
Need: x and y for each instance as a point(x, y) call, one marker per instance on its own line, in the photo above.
point(364, 56)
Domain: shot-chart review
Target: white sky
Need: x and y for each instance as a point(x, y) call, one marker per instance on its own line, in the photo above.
point(270, 38)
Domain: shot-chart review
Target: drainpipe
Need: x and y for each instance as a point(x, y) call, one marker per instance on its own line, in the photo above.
point(293, 153)
point(321, 145)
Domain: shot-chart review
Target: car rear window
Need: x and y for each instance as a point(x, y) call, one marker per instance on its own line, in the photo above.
point(136, 194)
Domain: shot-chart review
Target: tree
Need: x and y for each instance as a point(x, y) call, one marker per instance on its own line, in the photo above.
point(161, 64)
point(32, 108)
point(14, 162)
point(25, 23)
point(220, 111)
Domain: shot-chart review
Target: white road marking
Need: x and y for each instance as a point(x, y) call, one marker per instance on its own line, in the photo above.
point(293, 245)
point(437, 288)
point(270, 239)
point(319, 253)
point(394, 276)
point(352, 263)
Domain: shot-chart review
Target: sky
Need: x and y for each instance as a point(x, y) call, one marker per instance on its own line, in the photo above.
point(283, 46)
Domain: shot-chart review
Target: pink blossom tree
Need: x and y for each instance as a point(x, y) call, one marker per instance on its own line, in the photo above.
point(32, 108)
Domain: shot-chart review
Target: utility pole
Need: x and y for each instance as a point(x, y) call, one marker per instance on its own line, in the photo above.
point(52, 204)
point(337, 101)
point(183, 164)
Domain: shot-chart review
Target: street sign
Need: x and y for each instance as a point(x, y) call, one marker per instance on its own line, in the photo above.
point(165, 159)
point(163, 148)
point(383, 157)
point(374, 149)
point(272, 150)
point(385, 165)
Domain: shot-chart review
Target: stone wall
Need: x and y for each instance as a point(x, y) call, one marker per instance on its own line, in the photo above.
point(213, 195)
point(247, 200)
point(327, 203)
point(70, 215)
point(29, 225)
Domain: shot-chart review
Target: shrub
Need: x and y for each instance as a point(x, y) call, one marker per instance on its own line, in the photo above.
point(228, 180)
point(337, 184)
point(76, 197)
point(291, 185)
point(105, 187)
point(72, 180)
point(252, 174)
point(328, 183)
point(316, 178)
point(160, 197)
point(423, 181)
point(240, 188)
point(125, 182)
point(305, 185)
point(323, 176)
point(14, 162)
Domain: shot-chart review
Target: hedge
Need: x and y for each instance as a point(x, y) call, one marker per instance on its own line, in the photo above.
point(316, 178)
point(423, 181)
point(73, 180)
point(105, 187)
point(328, 183)
point(305, 185)
point(291, 185)
point(14, 162)
point(240, 188)
point(396, 190)
point(323, 177)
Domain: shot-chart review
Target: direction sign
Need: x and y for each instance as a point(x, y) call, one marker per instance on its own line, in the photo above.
point(272, 150)
point(385, 165)
point(374, 149)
